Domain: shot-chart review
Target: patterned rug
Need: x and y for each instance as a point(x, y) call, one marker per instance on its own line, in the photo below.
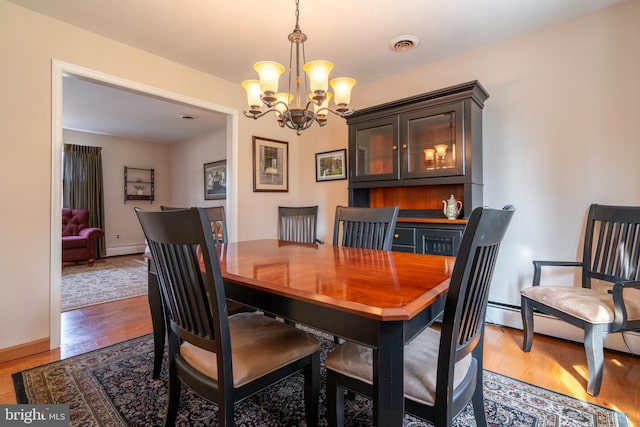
point(113, 387)
point(108, 279)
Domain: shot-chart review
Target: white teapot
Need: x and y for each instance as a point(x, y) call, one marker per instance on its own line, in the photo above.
point(452, 207)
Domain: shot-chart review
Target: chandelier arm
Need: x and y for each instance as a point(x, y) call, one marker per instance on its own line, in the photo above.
point(256, 116)
point(337, 113)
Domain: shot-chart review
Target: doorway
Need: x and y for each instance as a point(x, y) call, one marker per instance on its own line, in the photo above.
point(59, 71)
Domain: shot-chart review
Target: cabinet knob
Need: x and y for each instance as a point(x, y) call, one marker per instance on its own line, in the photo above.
point(404, 146)
point(395, 147)
point(396, 235)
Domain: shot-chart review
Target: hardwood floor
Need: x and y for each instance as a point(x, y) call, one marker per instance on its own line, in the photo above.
point(554, 364)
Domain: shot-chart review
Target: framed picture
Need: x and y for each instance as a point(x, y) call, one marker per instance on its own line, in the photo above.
point(270, 165)
point(331, 165)
point(215, 180)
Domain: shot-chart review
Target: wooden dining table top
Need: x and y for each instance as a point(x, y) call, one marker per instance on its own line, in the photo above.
point(382, 285)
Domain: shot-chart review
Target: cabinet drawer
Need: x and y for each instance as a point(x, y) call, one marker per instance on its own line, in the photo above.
point(439, 242)
point(404, 236)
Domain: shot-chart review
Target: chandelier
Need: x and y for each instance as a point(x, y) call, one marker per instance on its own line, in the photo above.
point(298, 111)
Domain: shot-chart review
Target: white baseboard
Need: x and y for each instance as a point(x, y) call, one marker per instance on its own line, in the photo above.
point(627, 342)
point(125, 250)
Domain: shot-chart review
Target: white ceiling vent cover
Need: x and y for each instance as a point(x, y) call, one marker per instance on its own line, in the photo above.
point(403, 43)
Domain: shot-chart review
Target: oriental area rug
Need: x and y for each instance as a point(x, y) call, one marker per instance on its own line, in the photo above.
point(109, 279)
point(113, 387)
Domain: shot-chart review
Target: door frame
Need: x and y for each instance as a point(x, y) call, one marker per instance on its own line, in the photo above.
point(58, 70)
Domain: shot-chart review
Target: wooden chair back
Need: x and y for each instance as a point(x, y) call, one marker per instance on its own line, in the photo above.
point(218, 223)
point(367, 228)
point(612, 244)
point(298, 224)
point(217, 220)
point(189, 277)
point(465, 308)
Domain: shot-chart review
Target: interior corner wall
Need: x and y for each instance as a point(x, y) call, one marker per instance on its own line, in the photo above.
point(123, 234)
point(187, 160)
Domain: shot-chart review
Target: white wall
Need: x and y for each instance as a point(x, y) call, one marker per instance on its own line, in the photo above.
point(119, 216)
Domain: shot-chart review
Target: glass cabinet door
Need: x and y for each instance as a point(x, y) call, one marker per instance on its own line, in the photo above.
point(375, 153)
point(433, 142)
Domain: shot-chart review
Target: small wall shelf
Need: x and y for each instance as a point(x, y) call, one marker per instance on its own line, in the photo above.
point(139, 184)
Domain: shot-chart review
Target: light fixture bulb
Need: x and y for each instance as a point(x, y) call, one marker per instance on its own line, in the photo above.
point(284, 97)
point(253, 93)
point(318, 72)
point(342, 90)
point(429, 153)
point(441, 150)
point(269, 73)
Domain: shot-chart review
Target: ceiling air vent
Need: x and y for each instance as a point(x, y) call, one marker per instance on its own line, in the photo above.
point(403, 43)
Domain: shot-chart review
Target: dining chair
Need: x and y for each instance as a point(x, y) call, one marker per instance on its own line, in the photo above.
point(367, 228)
point(610, 259)
point(223, 358)
point(218, 226)
point(442, 369)
point(217, 219)
point(298, 224)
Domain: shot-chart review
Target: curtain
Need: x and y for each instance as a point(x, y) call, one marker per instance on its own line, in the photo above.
point(82, 185)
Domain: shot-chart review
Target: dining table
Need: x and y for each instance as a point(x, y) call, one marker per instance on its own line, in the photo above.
point(380, 299)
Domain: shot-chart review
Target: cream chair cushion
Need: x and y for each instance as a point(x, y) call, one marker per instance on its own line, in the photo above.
point(259, 345)
point(590, 305)
point(420, 365)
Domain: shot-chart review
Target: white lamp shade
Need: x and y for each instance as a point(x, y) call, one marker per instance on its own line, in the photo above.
point(253, 92)
point(429, 153)
point(441, 149)
point(269, 73)
point(342, 89)
point(318, 72)
point(325, 103)
point(284, 97)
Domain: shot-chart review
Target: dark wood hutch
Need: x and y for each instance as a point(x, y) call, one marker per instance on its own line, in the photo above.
point(416, 152)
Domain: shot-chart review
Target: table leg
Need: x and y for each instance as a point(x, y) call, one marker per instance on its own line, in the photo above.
point(157, 321)
point(388, 380)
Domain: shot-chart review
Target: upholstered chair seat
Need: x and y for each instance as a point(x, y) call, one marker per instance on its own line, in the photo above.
point(259, 346)
point(420, 373)
point(590, 305)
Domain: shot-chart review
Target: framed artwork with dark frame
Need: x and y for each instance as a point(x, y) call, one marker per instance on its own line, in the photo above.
point(215, 180)
point(270, 165)
point(331, 165)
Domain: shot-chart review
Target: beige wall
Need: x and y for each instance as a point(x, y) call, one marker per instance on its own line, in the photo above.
point(560, 133)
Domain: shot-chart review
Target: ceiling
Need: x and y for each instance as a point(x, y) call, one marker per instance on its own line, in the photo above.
point(226, 37)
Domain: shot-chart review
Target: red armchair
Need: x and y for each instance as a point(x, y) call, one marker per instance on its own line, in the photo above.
point(78, 239)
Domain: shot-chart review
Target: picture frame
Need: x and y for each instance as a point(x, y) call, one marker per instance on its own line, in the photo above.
point(331, 165)
point(215, 180)
point(270, 165)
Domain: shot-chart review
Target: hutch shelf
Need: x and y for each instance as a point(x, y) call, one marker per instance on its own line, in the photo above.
point(416, 152)
point(139, 184)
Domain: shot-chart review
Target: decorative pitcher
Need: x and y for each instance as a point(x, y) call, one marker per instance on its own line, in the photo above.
point(452, 207)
